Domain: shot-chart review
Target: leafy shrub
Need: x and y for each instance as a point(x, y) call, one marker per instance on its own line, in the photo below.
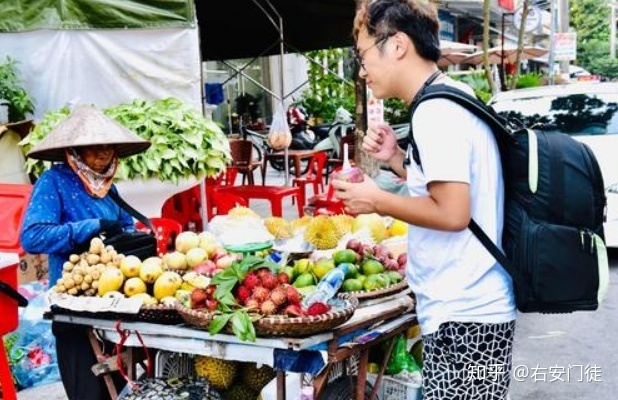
point(11, 89)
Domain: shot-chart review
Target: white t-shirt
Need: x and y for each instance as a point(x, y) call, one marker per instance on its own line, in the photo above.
point(453, 277)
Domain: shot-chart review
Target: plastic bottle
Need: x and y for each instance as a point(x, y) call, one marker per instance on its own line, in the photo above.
point(348, 173)
point(328, 286)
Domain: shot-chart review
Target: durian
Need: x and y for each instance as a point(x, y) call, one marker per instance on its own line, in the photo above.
point(300, 223)
point(240, 392)
point(343, 222)
point(242, 212)
point(256, 378)
point(322, 233)
point(278, 227)
point(220, 373)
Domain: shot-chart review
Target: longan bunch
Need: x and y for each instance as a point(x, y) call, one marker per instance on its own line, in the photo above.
point(81, 273)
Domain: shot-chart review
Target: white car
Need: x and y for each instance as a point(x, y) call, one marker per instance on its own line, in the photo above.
point(588, 112)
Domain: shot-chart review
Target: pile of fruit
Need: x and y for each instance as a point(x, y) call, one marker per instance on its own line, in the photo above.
point(201, 253)
point(101, 271)
point(235, 380)
point(370, 267)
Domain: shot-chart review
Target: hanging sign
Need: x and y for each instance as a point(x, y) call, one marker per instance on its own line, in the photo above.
point(533, 19)
point(565, 46)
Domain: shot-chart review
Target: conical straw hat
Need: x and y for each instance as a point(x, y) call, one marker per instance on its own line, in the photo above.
point(87, 126)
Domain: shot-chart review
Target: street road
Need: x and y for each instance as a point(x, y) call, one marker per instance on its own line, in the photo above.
point(569, 356)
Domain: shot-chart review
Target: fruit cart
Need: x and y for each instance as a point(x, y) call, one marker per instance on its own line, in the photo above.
point(370, 325)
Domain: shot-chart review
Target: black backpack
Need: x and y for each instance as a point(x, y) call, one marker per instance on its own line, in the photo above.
point(553, 239)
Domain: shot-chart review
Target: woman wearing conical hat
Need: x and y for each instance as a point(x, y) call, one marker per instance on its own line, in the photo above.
point(70, 204)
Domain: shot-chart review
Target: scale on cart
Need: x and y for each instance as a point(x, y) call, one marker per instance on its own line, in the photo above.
point(248, 248)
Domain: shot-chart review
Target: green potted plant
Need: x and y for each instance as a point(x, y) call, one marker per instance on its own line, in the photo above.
point(20, 103)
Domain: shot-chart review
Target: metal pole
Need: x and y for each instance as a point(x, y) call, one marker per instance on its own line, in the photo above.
point(502, 74)
point(563, 12)
point(552, 47)
point(282, 92)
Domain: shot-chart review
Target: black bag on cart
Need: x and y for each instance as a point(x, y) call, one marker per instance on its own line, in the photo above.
point(554, 210)
point(138, 243)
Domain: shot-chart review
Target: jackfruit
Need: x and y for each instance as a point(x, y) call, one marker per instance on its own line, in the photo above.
point(220, 373)
point(256, 378)
point(343, 222)
point(242, 212)
point(240, 392)
point(278, 227)
point(322, 233)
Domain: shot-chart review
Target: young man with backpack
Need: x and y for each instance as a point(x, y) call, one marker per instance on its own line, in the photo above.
point(465, 299)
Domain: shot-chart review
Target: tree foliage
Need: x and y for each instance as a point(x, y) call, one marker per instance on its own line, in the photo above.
point(590, 18)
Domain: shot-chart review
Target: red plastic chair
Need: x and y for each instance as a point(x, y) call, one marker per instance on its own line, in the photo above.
point(224, 202)
point(327, 203)
point(314, 175)
point(166, 231)
point(184, 207)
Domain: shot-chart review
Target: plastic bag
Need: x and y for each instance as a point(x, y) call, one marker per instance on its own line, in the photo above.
point(32, 353)
point(401, 360)
point(279, 135)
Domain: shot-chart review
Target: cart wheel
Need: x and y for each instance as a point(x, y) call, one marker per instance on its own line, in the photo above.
point(341, 389)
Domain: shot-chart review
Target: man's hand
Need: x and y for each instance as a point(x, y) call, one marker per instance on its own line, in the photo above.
point(380, 141)
point(359, 198)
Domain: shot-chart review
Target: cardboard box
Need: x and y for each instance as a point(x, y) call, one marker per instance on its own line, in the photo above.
point(32, 267)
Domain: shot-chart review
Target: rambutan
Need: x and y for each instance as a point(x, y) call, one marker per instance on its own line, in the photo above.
point(263, 271)
point(243, 293)
point(318, 309)
point(252, 304)
point(278, 296)
point(282, 277)
point(294, 310)
point(269, 281)
point(268, 308)
point(292, 294)
point(260, 293)
point(252, 281)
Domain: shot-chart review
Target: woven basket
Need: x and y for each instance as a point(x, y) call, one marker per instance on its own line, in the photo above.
point(159, 313)
point(196, 318)
point(305, 326)
point(374, 294)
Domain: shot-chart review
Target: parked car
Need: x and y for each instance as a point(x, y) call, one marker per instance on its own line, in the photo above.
point(588, 112)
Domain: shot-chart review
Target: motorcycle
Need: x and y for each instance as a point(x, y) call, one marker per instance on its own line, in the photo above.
point(330, 134)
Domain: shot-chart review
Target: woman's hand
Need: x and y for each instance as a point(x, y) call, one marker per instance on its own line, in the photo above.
point(380, 141)
point(359, 198)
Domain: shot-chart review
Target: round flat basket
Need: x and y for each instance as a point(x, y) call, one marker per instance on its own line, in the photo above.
point(159, 313)
point(374, 294)
point(196, 318)
point(305, 326)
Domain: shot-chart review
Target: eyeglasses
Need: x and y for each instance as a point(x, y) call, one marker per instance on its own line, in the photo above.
point(361, 55)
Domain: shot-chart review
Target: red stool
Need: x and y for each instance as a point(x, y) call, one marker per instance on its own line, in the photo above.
point(166, 231)
point(224, 202)
point(10, 299)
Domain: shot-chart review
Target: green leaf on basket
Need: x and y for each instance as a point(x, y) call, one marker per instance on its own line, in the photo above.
point(218, 323)
point(228, 300)
point(224, 288)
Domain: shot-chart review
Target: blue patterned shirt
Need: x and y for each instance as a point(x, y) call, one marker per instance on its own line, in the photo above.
point(61, 215)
